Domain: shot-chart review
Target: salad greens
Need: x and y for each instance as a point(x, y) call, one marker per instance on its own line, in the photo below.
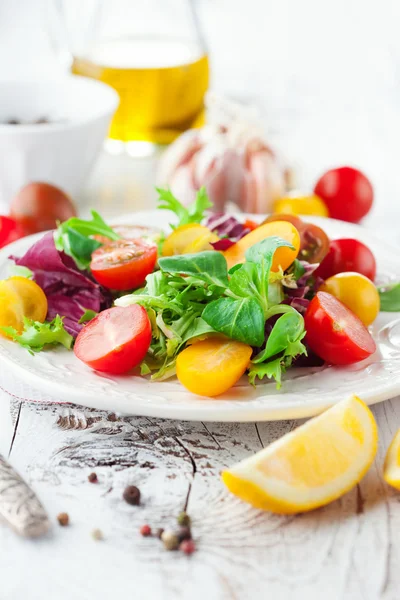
point(390, 298)
point(194, 213)
point(36, 335)
point(194, 295)
point(74, 237)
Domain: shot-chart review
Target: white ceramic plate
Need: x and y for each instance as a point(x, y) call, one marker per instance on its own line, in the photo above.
point(306, 392)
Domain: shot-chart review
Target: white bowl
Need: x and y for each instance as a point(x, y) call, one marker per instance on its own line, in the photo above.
point(62, 151)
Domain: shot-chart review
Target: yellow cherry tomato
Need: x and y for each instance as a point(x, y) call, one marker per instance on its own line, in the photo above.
point(188, 239)
point(357, 292)
point(283, 256)
point(20, 297)
point(211, 367)
point(301, 205)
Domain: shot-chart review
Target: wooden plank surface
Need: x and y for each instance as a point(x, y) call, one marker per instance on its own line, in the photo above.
point(346, 550)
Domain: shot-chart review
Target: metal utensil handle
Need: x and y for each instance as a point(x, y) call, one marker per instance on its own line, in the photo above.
point(20, 508)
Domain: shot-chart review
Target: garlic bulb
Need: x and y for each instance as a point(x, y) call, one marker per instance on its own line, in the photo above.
point(229, 156)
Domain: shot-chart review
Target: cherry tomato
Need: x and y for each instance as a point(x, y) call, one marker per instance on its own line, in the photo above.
point(347, 192)
point(283, 257)
point(347, 254)
point(21, 297)
point(123, 264)
point(212, 366)
point(301, 205)
point(131, 232)
point(357, 292)
point(10, 231)
point(314, 243)
point(335, 333)
point(188, 239)
point(38, 206)
point(116, 340)
point(249, 224)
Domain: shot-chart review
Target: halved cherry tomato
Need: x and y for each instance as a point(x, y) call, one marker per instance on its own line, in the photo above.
point(357, 292)
point(347, 254)
point(347, 192)
point(39, 205)
point(123, 264)
point(335, 333)
point(314, 243)
point(301, 205)
point(188, 239)
point(116, 340)
point(10, 231)
point(131, 232)
point(283, 257)
point(21, 297)
point(211, 367)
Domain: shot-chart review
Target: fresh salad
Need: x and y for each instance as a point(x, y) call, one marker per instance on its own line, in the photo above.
point(208, 301)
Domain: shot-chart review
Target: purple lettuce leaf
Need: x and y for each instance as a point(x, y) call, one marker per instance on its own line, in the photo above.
point(69, 291)
point(228, 228)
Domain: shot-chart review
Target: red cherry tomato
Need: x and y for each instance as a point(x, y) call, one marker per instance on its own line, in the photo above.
point(249, 224)
point(116, 340)
point(10, 231)
point(347, 254)
point(335, 333)
point(347, 192)
point(38, 206)
point(123, 264)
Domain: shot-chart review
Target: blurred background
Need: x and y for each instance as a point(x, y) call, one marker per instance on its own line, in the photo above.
point(324, 75)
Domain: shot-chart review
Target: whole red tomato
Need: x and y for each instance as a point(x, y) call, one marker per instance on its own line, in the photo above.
point(347, 254)
point(335, 333)
point(347, 192)
point(9, 231)
point(38, 206)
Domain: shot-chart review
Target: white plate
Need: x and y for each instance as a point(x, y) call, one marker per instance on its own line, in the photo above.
point(307, 392)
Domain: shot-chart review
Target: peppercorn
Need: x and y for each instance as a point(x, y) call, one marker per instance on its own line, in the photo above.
point(63, 519)
point(158, 532)
point(184, 533)
point(92, 478)
point(187, 547)
point(145, 530)
point(97, 535)
point(170, 540)
point(183, 519)
point(131, 495)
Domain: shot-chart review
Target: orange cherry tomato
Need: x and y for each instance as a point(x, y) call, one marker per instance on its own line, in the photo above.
point(212, 366)
point(356, 292)
point(188, 239)
point(283, 256)
point(21, 297)
point(302, 205)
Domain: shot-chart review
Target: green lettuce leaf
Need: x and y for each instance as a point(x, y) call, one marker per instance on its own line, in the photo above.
point(194, 213)
point(208, 266)
point(390, 298)
point(36, 336)
point(241, 320)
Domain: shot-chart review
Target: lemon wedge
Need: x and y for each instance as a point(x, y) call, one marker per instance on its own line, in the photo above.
point(391, 467)
point(311, 466)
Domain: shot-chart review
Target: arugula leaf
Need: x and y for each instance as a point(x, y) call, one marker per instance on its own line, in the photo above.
point(87, 316)
point(74, 237)
point(194, 213)
point(241, 320)
point(208, 266)
point(272, 370)
point(285, 337)
point(19, 271)
point(390, 298)
point(36, 335)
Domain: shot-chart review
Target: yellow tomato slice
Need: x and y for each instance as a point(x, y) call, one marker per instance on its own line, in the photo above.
point(211, 367)
point(301, 205)
point(357, 292)
point(283, 256)
point(187, 239)
point(20, 297)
